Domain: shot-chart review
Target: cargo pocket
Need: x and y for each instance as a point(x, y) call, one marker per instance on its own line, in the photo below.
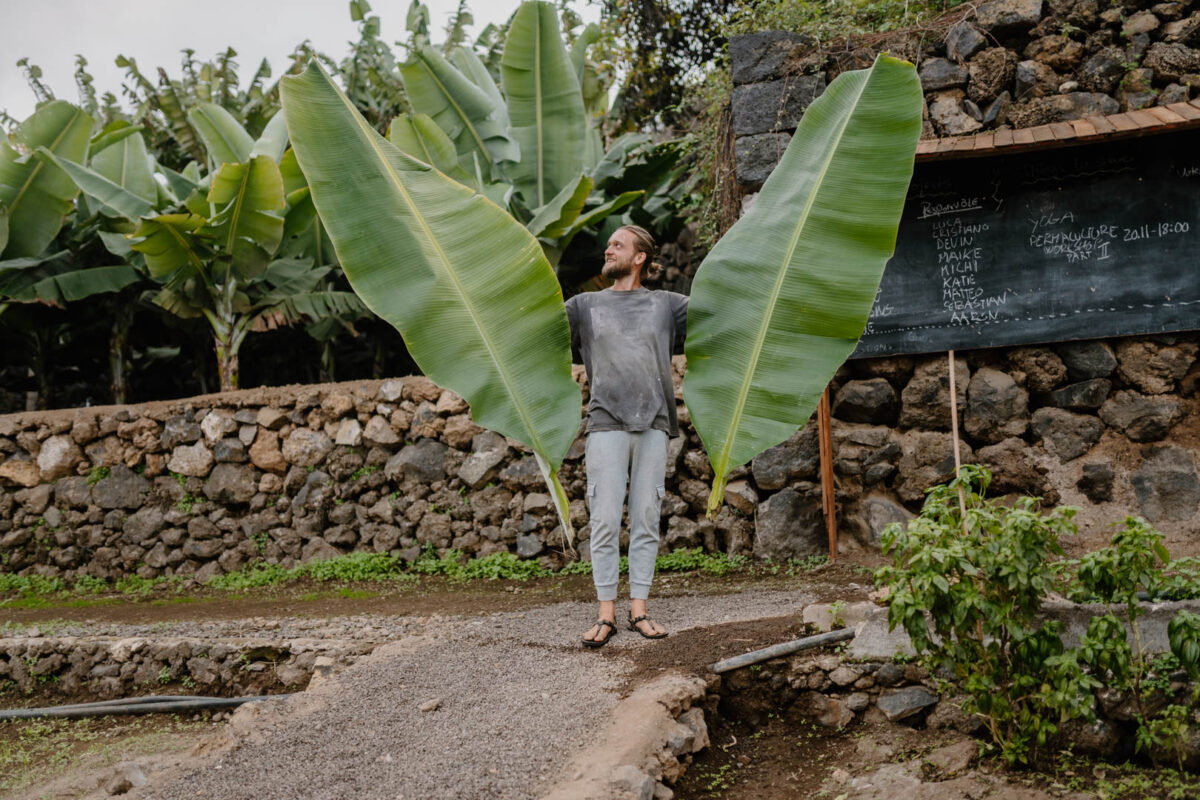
point(591, 496)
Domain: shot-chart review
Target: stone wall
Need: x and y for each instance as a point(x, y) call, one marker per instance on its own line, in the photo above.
point(1006, 64)
point(107, 668)
point(205, 486)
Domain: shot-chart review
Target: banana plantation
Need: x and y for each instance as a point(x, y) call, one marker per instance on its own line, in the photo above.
point(169, 245)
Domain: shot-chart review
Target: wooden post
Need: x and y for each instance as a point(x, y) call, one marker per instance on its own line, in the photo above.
point(825, 438)
point(962, 500)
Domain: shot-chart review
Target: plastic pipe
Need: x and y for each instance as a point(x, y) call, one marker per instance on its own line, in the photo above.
point(784, 649)
point(136, 705)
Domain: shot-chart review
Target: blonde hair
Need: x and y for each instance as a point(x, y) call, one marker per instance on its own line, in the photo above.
point(644, 243)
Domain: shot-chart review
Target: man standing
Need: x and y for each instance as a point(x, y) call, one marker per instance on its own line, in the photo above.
point(625, 335)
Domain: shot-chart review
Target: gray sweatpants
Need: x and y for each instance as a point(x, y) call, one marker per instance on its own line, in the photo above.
point(614, 457)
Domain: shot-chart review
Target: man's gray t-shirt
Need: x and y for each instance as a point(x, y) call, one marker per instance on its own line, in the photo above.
point(625, 339)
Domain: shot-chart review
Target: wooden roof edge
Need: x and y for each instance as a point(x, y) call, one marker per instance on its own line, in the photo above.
point(1124, 125)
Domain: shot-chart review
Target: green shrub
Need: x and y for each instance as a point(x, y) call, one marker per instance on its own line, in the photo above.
point(982, 588)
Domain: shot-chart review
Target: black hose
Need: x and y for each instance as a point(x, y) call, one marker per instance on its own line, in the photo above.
point(157, 704)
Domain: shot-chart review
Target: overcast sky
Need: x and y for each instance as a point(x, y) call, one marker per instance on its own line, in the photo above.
point(155, 31)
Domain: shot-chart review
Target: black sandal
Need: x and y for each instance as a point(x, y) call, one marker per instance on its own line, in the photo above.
point(601, 623)
point(633, 626)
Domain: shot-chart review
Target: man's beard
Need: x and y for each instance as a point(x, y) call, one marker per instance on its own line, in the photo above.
point(615, 270)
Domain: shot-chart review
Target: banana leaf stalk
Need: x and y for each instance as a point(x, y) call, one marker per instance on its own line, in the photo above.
point(783, 297)
point(467, 286)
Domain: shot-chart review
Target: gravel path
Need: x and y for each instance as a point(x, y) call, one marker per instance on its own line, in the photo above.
point(518, 697)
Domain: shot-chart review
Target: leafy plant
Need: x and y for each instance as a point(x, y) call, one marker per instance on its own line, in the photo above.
point(981, 580)
point(460, 293)
point(781, 300)
point(97, 474)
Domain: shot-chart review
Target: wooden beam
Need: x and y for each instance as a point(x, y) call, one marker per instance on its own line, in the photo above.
point(825, 441)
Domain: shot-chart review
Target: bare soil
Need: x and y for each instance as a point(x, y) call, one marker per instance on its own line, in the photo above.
point(844, 580)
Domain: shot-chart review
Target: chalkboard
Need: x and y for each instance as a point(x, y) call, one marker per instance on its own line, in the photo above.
point(1082, 242)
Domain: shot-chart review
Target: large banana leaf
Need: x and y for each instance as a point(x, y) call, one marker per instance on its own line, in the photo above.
point(420, 137)
point(465, 284)
point(553, 219)
point(224, 137)
point(545, 107)
point(469, 65)
point(783, 297)
point(59, 281)
point(38, 194)
point(3, 227)
point(112, 133)
point(465, 112)
point(173, 249)
point(112, 196)
point(273, 141)
point(249, 222)
point(127, 164)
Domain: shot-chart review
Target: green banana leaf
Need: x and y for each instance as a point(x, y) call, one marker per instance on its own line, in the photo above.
point(545, 106)
point(181, 185)
point(224, 137)
point(248, 225)
point(783, 297)
point(112, 133)
point(420, 137)
point(3, 227)
point(38, 194)
point(112, 196)
point(174, 252)
point(465, 60)
point(460, 108)
point(68, 283)
point(465, 284)
point(553, 219)
point(593, 90)
point(127, 164)
point(273, 141)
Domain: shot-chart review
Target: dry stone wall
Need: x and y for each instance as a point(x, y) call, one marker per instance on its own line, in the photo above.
point(1001, 64)
point(205, 486)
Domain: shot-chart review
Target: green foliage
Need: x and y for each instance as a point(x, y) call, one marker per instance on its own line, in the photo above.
point(1130, 563)
point(1183, 633)
point(97, 474)
point(696, 560)
point(29, 585)
point(981, 580)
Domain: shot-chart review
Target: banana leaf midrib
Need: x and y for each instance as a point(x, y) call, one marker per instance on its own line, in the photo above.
point(760, 339)
point(506, 379)
point(237, 209)
point(537, 83)
point(38, 168)
point(124, 161)
point(462, 115)
point(191, 254)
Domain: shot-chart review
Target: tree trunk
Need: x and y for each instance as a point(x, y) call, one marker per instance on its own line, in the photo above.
point(327, 361)
point(227, 364)
point(118, 353)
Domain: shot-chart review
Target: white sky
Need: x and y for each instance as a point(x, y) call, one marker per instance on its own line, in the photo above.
point(155, 31)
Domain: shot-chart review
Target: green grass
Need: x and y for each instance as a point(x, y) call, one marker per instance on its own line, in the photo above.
point(33, 751)
point(20, 591)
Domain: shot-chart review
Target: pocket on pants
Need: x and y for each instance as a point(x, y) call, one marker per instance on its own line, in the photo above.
point(591, 495)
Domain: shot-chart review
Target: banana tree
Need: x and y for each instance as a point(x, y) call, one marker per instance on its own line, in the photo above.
point(532, 143)
point(35, 197)
point(468, 288)
point(61, 264)
point(781, 300)
point(212, 243)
